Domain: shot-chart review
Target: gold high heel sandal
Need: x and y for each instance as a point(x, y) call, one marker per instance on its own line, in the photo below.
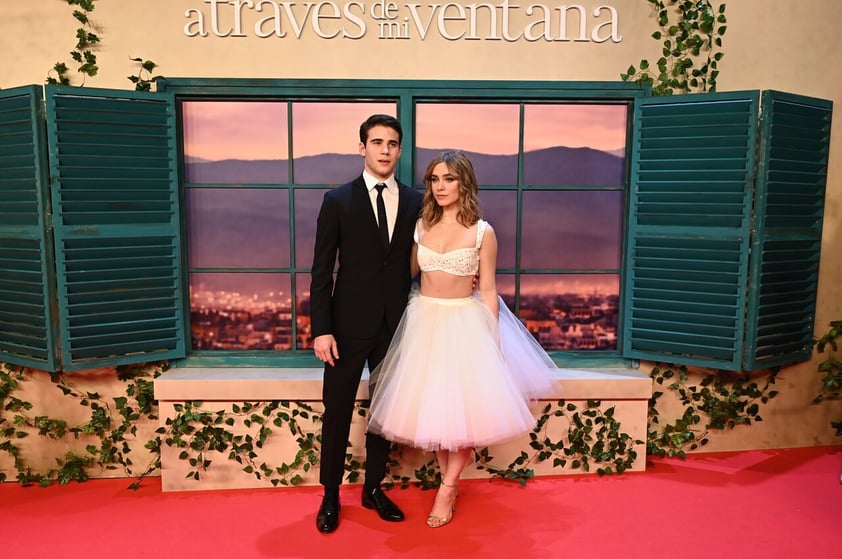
point(438, 521)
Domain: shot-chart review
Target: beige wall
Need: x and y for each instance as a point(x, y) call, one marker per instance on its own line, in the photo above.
point(152, 29)
point(769, 44)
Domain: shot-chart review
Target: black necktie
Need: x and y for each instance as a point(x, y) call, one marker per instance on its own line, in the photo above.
point(381, 215)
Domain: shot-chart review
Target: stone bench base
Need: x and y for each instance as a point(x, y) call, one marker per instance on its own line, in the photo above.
point(219, 388)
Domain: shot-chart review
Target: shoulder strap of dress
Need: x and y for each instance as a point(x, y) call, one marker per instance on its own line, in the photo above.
point(481, 226)
point(415, 235)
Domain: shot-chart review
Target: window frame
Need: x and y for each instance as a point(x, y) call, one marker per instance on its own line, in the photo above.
point(405, 94)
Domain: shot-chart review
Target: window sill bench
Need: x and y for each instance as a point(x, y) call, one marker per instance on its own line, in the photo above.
point(218, 388)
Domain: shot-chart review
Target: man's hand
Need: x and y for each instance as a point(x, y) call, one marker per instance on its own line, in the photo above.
point(325, 348)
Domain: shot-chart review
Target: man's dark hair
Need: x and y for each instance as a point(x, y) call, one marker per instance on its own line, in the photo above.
point(380, 120)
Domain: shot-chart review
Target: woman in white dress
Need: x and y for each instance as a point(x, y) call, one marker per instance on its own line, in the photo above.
point(461, 368)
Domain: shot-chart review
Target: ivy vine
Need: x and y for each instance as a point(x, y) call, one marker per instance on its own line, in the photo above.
point(10, 431)
point(726, 399)
point(692, 48)
point(593, 437)
point(197, 432)
point(144, 79)
point(70, 467)
point(109, 432)
point(83, 53)
point(830, 368)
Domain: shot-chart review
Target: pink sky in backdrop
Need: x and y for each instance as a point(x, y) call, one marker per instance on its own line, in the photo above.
point(219, 130)
point(258, 130)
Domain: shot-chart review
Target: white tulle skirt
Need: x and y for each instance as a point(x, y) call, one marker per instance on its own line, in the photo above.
point(454, 377)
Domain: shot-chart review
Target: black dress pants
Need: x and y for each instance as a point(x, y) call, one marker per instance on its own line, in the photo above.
point(339, 390)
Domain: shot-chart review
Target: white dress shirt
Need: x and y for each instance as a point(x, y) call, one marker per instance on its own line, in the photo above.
point(390, 198)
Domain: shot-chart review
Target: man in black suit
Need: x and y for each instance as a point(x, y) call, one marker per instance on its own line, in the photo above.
point(353, 319)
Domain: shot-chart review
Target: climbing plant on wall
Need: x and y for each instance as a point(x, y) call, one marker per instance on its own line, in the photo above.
point(204, 434)
point(719, 401)
point(691, 33)
point(105, 439)
point(83, 53)
point(830, 369)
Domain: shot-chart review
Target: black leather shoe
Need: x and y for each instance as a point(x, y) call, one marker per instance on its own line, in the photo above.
point(328, 518)
point(376, 499)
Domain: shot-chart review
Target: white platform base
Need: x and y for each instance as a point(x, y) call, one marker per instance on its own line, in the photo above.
point(219, 388)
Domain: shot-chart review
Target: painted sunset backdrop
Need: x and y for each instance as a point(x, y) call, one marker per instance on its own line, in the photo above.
point(239, 167)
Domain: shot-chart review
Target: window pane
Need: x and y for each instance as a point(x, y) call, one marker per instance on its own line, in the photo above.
point(326, 139)
point(487, 133)
point(572, 229)
point(238, 228)
point(573, 144)
point(239, 234)
point(571, 312)
point(499, 208)
point(240, 311)
point(243, 142)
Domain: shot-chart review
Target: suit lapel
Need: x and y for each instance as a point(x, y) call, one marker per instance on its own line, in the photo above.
point(368, 218)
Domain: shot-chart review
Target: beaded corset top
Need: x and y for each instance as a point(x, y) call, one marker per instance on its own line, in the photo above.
point(457, 262)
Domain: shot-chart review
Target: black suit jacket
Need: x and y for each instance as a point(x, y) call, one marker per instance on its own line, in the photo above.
point(372, 284)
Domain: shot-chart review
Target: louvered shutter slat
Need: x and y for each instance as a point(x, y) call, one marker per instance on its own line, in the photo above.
point(26, 280)
point(689, 228)
point(789, 210)
point(117, 226)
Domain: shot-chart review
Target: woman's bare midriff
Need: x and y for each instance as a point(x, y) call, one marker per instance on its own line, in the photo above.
point(446, 286)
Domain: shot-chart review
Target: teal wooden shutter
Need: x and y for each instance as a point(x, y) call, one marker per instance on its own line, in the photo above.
point(27, 281)
point(788, 216)
point(725, 221)
point(117, 226)
point(687, 245)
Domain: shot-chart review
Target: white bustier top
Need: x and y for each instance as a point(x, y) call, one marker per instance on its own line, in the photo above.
point(457, 262)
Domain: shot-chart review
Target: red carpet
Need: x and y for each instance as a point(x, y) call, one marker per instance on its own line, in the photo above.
point(759, 504)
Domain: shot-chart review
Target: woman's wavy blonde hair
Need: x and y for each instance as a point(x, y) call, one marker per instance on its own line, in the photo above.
point(458, 164)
